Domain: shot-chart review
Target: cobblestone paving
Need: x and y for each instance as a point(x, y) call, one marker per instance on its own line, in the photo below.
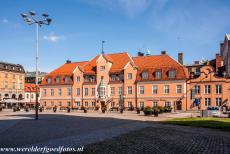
point(166, 139)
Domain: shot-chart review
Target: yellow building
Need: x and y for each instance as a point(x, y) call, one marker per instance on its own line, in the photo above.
point(12, 80)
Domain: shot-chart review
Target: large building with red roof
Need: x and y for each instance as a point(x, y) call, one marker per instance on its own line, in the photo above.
point(117, 79)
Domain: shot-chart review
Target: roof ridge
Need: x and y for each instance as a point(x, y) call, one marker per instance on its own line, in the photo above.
point(149, 56)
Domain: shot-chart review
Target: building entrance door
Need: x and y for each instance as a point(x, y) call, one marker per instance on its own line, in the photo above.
point(178, 105)
point(102, 104)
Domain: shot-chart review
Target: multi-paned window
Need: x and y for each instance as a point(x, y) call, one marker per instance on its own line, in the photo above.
point(67, 79)
point(197, 89)
point(78, 91)
point(120, 91)
point(218, 101)
point(93, 104)
point(44, 103)
point(68, 103)
point(44, 92)
point(129, 89)
point(166, 89)
point(218, 89)
point(51, 92)
point(207, 89)
point(102, 68)
point(86, 103)
point(93, 91)
point(102, 91)
point(172, 74)
point(155, 103)
point(130, 76)
point(59, 103)
point(207, 101)
point(68, 91)
point(158, 74)
point(78, 79)
point(142, 105)
point(142, 90)
point(78, 103)
point(179, 89)
point(86, 91)
point(113, 77)
point(58, 79)
point(112, 91)
point(130, 104)
point(144, 75)
point(59, 91)
point(155, 89)
point(49, 80)
point(112, 104)
point(51, 103)
point(167, 104)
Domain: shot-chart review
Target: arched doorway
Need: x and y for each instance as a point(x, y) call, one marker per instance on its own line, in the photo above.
point(13, 96)
point(6, 95)
point(20, 97)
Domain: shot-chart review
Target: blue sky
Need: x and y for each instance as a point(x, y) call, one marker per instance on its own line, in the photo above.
point(195, 27)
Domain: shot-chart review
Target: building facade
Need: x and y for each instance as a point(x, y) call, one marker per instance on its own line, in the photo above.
point(30, 94)
point(208, 84)
point(225, 53)
point(30, 77)
point(113, 80)
point(12, 79)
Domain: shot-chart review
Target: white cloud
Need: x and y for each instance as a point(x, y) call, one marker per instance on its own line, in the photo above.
point(5, 21)
point(52, 37)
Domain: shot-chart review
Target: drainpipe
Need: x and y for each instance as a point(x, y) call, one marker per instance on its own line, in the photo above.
point(136, 93)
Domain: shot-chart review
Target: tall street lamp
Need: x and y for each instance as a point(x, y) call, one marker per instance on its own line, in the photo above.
point(30, 19)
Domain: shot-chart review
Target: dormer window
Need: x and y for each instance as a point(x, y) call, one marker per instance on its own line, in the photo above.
point(158, 74)
point(49, 80)
point(144, 75)
point(57, 79)
point(113, 77)
point(67, 79)
point(172, 74)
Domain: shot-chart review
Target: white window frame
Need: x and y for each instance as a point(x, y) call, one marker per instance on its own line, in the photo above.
point(207, 101)
point(142, 90)
point(130, 76)
point(218, 89)
point(154, 89)
point(207, 89)
point(166, 89)
point(179, 89)
point(129, 90)
point(112, 91)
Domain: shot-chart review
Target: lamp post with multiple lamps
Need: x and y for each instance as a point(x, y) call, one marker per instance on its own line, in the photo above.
point(31, 19)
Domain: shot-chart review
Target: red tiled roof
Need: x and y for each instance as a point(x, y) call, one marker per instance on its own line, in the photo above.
point(30, 87)
point(118, 60)
point(63, 71)
point(164, 63)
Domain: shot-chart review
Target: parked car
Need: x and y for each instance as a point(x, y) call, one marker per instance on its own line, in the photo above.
point(214, 111)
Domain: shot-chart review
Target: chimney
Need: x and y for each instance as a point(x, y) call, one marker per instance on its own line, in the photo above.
point(196, 62)
point(140, 53)
point(68, 61)
point(219, 62)
point(163, 52)
point(221, 48)
point(180, 58)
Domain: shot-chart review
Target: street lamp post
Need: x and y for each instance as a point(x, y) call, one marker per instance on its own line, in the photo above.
point(32, 19)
